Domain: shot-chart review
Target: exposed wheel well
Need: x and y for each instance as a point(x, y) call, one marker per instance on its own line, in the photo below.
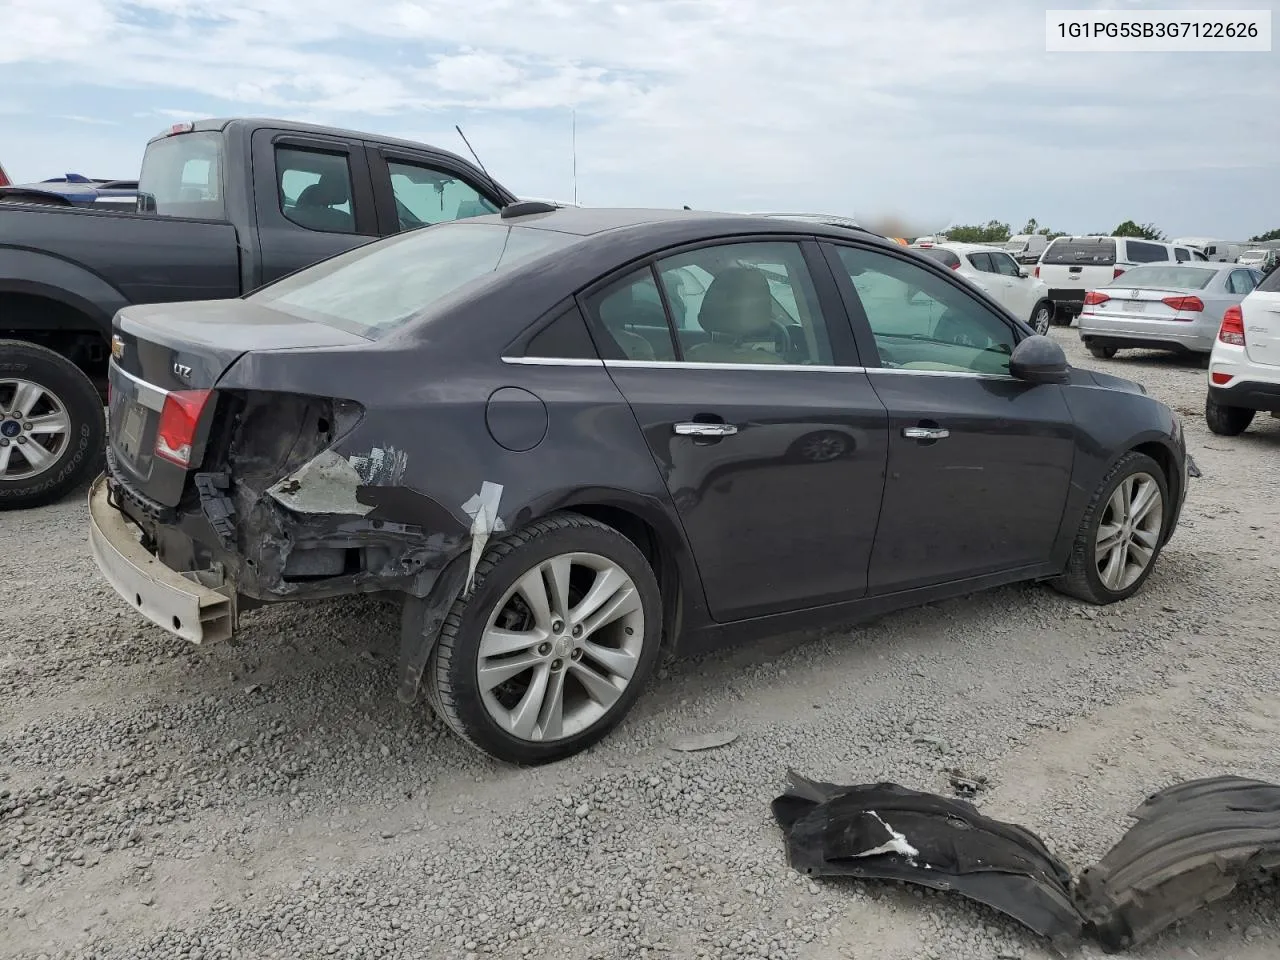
point(59, 327)
point(658, 553)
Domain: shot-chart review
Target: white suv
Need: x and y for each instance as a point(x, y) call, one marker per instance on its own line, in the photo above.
point(1244, 367)
point(994, 271)
point(1072, 266)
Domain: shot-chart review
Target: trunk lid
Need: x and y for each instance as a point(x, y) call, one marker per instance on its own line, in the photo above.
point(174, 354)
point(1144, 305)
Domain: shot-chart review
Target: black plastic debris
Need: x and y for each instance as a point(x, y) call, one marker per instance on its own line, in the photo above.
point(1193, 844)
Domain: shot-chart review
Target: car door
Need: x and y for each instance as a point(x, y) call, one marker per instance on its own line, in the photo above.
point(979, 462)
point(1021, 291)
point(738, 362)
point(312, 197)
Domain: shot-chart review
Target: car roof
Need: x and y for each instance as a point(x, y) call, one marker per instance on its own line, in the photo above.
point(590, 221)
point(965, 247)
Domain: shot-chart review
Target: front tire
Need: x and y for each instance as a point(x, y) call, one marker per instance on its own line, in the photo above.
point(1226, 421)
point(1120, 535)
point(552, 646)
point(52, 427)
point(1042, 318)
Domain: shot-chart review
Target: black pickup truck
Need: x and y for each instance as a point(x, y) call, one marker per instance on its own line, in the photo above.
point(224, 206)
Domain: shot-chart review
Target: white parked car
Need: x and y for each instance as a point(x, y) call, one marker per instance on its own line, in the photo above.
point(1244, 367)
point(1164, 306)
point(993, 270)
point(1253, 257)
point(1072, 266)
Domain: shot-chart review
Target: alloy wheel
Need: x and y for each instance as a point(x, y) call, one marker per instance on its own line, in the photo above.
point(1042, 320)
point(35, 429)
point(1129, 531)
point(561, 647)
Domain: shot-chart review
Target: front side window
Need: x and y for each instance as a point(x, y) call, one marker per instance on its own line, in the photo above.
point(921, 321)
point(425, 196)
point(380, 286)
point(745, 303)
point(1005, 265)
point(315, 189)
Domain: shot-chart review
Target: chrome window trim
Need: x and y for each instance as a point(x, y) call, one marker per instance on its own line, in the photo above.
point(809, 368)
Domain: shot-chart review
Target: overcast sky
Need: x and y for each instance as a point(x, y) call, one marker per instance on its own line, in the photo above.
point(942, 111)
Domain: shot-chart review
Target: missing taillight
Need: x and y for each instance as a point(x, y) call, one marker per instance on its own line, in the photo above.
point(179, 420)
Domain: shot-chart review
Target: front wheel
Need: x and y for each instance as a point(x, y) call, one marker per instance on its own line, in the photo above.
point(553, 645)
point(1120, 534)
point(1226, 421)
point(52, 427)
point(1042, 318)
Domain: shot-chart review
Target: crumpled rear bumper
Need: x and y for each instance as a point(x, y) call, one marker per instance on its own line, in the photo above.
point(198, 612)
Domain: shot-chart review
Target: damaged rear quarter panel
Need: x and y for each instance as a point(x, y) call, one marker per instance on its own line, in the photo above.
point(407, 473)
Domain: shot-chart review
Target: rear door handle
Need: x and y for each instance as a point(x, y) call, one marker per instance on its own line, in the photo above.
point(693, 429)
point(926, 433)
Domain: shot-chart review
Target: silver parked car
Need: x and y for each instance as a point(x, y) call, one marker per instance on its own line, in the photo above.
point(1164, 306)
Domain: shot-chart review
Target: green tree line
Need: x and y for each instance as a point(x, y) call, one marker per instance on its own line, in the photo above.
point(995, 231)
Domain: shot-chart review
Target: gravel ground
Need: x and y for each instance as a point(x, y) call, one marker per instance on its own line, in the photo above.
point(272, 799)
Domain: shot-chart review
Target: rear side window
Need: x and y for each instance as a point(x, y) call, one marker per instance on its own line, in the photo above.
point(982, 261)
point(1240, 282)
point(944, 257)
point(182, 177)
point(380, 286)
point(1182, 256)
point(630, 314)
point(1140, 252)
point(564, 338)
point(315, 189)
point(1084, 251)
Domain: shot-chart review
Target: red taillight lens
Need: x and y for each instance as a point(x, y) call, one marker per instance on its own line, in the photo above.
point(1093, 298)
point(1220, 378)
point(4, 178)
point(956, 265)
point(1232, 329)
point(178, 422)
point(1116, 272)
point(1037, 271)
point(1187, 304)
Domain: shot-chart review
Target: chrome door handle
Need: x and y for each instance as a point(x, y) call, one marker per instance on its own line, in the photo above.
point(692, 429)
point(926, 433)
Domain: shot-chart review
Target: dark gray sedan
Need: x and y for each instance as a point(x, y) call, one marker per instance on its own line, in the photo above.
point(566, 440)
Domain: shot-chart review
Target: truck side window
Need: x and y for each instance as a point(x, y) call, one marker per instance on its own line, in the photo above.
point(315, 189)
point(425, 196)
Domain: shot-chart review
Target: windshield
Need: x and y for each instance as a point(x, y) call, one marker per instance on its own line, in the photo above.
point(382, 285)
point(1254, 254)
point(1086, 251)
point(1153, 277)
point(182, 177)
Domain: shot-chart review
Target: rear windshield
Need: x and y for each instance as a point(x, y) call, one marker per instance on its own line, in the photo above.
point(1088, 251)
point(377, 287)
point(945, 257)
point(1153, 277)
point(182, 177)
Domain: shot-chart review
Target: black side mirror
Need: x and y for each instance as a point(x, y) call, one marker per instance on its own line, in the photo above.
point(1039, 359)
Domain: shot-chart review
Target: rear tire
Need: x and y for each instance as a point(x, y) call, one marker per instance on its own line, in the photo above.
point(1118, 525)
point(570, 686)
point(1226, 421)
point(57, 442)
point(1101, 351)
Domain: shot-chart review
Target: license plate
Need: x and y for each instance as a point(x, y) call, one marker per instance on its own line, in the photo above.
point(1135, 306)
point(131, 427)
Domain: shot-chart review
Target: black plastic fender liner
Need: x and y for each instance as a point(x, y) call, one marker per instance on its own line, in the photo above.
point(1194, 843)
point(888, 832)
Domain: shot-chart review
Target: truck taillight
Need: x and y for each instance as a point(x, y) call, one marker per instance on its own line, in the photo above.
point(1187, 304)
point(181, 128)
point(1094, 297)
point(178, 422)
point(1232, 329)
point(4, 179)
point(1116, 272)
point(1037, 271)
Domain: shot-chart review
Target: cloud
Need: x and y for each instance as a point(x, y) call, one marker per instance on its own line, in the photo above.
point(833, 105)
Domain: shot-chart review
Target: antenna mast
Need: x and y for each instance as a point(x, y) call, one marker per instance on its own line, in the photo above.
point(574, 141)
